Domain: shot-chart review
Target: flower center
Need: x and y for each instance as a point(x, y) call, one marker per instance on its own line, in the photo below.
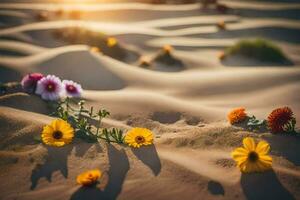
point(253, 156)
point(71, 88)
point(139, 139)
point(50, 87)
point(57, 135)
point(90, 175)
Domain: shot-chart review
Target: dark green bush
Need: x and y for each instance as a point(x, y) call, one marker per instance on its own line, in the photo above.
point(81, 35)
point(259, 49)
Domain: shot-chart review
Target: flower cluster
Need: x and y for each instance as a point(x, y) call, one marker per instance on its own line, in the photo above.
point(50, 87)
point(280, 120)
point(60, 132)
point(74, 122)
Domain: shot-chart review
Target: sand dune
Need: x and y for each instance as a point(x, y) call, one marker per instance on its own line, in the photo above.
point(185, 108)
point(20, 47)
point(188, 168)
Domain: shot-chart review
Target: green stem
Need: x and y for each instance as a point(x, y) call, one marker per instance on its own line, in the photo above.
point(113, 141)
point(99, 124)
point(67, 104)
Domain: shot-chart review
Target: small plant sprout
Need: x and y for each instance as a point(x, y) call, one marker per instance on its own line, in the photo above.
point(83, 121)
point(256, 124)
point(101, 114)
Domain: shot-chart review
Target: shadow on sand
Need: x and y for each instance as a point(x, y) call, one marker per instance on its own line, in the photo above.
point(215, 188)
point(287, 146)
point(264, 186)
point(239, 60)
point(82, 148)
point(100, 79)
point(56, 160)
point(148, 155)
point(9, 75)
point(280, 13)
point(119, 166)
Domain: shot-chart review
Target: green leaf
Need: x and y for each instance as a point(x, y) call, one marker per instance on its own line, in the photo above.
point(37, 138)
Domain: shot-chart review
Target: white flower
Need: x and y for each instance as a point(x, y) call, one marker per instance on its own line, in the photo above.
point(50, 88)
point(72, 89)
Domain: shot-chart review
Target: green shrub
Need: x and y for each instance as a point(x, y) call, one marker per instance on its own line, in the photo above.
point(259, 49)
point(81, 35)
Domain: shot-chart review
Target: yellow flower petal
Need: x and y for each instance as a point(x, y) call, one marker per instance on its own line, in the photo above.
point(48, 129)
point(263, 147)
point(249, 143)
point(239, 152)
point(54, 124)
point(266, 159)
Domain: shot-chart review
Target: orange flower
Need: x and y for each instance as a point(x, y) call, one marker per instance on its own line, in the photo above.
point(95, 49)
point(167, 48)
point(88, 178)
point(222, 56)
point(144, 62)
point(279, 118)
point(221, 25)
point(237, 115)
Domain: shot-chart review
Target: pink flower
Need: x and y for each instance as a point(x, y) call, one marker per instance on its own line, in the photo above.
point(72, 89)
point(50, 88)
point(29, 82)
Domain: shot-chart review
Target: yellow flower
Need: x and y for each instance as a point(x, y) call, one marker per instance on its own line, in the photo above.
point(95, 49)
point(88, 178)
point(111, 41)
point(252, 157)
point(58, 133)
point(138, 137)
